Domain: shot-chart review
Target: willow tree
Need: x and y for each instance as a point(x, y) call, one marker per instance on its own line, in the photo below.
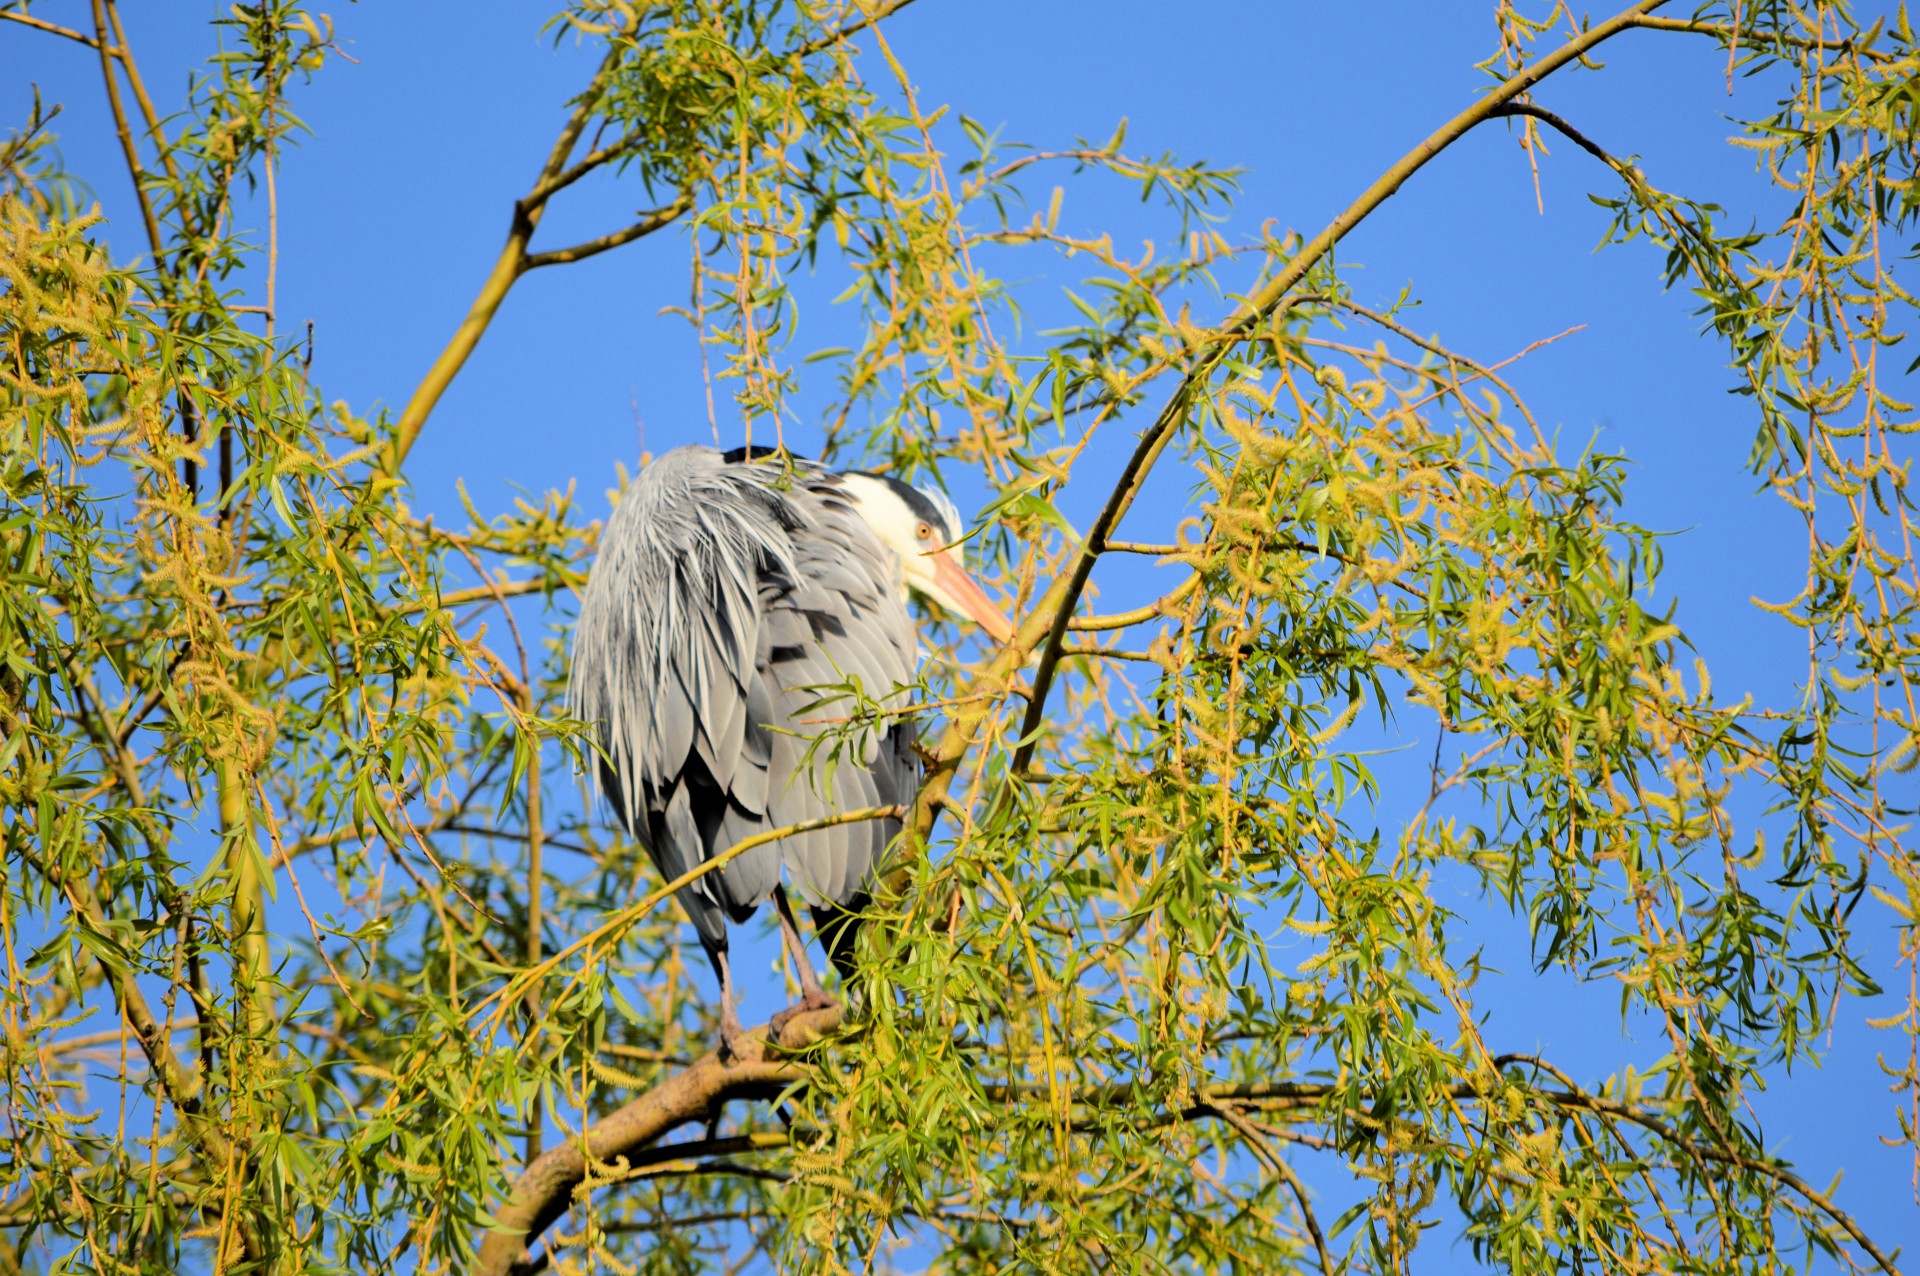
point(319, 958)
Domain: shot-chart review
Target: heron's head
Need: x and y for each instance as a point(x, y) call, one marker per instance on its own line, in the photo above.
point(922, 526)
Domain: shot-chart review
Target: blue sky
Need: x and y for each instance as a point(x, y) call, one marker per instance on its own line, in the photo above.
point(395, 208)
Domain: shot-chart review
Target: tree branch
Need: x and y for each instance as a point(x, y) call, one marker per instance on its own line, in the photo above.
point(123, 53)
point(51, 28)
point(832, 38)
point(545, 1189)
point(648, 223)
point(627, 1138)
point(1728, 35)
point(124, 132)
point(1281, 1170)
point(1300, 1094)
point(1262, 304)
point(513, 261)
point(218, 1153)
point(1139, 615)
point(1571, 133)
point(552, 185)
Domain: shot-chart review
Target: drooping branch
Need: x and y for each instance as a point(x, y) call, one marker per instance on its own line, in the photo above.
point(1310, 1097)
point(1258, 307)
point(628, 1139)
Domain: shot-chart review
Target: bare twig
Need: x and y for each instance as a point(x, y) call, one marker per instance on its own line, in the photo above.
point(648, 223)
point(827, 41)
point(51, 28)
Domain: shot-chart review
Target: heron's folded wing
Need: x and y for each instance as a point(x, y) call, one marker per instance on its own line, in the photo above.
point(664, 661)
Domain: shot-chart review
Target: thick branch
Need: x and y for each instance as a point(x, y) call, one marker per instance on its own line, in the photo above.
point(510, 265)
point(545, 1190)
point(506, 269)
point(1263, 303)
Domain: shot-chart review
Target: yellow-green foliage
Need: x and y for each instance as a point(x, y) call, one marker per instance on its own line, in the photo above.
point(297, 980)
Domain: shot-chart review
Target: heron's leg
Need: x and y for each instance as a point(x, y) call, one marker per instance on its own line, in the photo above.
point(810, 988)
point(730, 1029)
point(812, 995)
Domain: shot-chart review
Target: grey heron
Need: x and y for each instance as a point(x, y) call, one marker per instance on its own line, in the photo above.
point(729, 588)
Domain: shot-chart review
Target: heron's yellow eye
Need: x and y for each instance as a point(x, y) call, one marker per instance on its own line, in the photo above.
point(924, 532)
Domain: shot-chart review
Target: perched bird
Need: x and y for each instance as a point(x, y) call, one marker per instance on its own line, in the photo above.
point(730, 590)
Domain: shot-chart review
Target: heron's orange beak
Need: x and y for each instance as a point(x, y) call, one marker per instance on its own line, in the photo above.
point(952, 580)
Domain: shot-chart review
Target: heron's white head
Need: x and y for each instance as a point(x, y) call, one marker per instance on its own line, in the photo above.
point(922, 526)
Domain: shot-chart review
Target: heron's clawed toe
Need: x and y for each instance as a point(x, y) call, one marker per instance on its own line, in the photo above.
point(817, 1000)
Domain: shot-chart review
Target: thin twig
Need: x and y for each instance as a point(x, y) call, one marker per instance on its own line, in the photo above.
point(851, 29)
point(1256, 1140)
point(1731, 36)
point(627, 916)
point(648, 223)
point(51, 28)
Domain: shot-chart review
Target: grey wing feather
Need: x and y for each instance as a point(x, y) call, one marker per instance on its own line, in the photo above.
point(719, 604)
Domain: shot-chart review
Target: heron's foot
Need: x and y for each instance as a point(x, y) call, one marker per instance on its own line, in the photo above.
point(817, 999)
point(732, 1035)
